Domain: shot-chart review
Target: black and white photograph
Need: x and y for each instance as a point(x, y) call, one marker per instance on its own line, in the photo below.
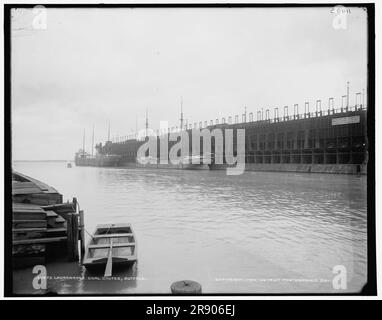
point(190, 150)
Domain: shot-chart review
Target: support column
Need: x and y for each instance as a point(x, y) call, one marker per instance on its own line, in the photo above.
point(257, 142)
point(306, 139)
point(295, 136)
point(351, 158)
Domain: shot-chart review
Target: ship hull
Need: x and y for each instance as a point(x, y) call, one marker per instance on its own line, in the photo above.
point(192, 166)
point(265, 167)
point(301, 168)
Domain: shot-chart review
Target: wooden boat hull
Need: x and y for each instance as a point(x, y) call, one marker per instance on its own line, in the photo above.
point(111, 245)
point(99, 265)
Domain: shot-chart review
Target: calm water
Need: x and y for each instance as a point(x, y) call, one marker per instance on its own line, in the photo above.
point(254, 233)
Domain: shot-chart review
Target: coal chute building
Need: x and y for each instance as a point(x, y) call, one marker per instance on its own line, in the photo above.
point(333, 141)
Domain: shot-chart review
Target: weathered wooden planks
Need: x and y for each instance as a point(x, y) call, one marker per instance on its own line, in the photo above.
point(54, 220)
point(56, 232)
point(115, 245)
point(25, 206)
point(17, 185)
point(28, 190)
point(33, 215)
point(41, 199)
point(19, 177)
point(39, 241)
point(60, 208)
point(28, 233)
point(43, 226)
point(24, 188)
point(19, 224)
point(113, 235)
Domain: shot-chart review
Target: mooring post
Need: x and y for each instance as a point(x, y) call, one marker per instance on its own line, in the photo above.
point(82, 232)
point(75, 204)
point(186, 287)
point(69, 235)
point(75, 223)
point(72, 236)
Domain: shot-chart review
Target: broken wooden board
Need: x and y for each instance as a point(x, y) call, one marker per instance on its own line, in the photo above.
point(54, 220)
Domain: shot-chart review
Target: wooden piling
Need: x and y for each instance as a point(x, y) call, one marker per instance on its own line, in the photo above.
point(75, 238)
point(75, 204)
point(82, 232)
point(69, 234)
point(72, 236)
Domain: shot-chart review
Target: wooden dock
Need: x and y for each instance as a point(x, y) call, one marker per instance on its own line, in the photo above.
point(43, 227)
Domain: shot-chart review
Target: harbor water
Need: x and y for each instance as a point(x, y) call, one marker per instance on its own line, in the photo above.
point(260, 232)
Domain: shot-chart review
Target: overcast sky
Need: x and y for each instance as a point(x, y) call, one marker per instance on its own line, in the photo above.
point(92, 66)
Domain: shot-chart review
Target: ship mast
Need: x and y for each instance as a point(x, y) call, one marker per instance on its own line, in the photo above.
point(147, 122)
point(181, 113)
point(363, 97)
point(108, 132)
point(83, 143)
point(347, 96)
point(93, 140)
point(136, 127)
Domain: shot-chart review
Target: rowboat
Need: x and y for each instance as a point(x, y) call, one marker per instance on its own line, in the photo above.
point(111, 246)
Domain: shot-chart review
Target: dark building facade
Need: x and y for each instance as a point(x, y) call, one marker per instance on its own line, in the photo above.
point(332, 137)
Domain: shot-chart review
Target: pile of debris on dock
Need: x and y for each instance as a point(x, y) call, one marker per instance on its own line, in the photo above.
point(42, 226)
